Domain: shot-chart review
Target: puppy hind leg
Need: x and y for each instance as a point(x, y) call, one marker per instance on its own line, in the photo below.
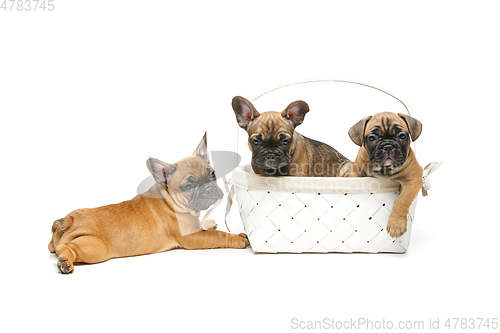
point(87, 249)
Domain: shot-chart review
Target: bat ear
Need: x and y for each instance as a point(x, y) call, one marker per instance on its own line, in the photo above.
point(202, 150)
point(162, 172)
point(244, 110)
point(357, 130)
point(295, 112)
point(414, 126)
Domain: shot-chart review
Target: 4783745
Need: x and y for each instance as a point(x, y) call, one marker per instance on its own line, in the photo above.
point(27, 5)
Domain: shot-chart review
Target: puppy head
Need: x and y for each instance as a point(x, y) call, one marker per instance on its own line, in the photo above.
point(191, 181)
point(386, 137)
point(271, 135)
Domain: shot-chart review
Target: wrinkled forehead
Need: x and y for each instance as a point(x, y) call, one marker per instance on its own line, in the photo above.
point(191, 167)
point(270, 125)
point(386, 122)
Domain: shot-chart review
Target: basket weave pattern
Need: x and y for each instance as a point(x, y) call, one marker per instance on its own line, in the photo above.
point(319, 222)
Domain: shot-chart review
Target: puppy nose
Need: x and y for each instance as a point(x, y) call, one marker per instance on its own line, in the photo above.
point(388, 147)
point(270, 156)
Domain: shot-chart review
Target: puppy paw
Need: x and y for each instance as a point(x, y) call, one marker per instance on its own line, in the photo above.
point(64, 266)
point(210, 224)
point(242, 241)
point(396, 226)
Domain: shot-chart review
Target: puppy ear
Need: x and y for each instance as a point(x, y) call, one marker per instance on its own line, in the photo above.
point(414, 126)
point(202, 150)
point(162, 172)
point(244, 110)
point(296, 111)
point(356, 132)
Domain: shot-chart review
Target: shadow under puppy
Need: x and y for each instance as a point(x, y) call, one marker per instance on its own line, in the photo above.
point(386, 153)
point(278, 150)
point(164, 218)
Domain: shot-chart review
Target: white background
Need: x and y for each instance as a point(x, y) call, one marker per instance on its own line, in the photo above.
point(89, 91)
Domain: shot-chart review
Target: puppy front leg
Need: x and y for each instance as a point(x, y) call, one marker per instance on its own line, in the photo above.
point(360, 166)
point(354, 171)
point(213, 239)
point(358, 169)
point(396, 226)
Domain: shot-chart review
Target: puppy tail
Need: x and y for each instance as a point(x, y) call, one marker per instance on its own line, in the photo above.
point(58, 229)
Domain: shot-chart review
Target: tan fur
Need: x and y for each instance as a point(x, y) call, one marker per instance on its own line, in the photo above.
point(153, 222)
point(409, 175)
point(308, 158)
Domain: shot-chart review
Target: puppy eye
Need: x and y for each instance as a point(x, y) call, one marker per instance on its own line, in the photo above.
point(402, 136)
point(372, 137)
point(255, 141)
point(188, 187)
point(212, 174)
point(285, 142)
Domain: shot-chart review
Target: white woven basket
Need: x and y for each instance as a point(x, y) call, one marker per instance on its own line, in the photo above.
point(300, 214)
point(318, 214)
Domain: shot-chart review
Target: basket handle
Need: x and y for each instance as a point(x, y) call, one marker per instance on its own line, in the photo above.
point(331, 80)
point(415, 145)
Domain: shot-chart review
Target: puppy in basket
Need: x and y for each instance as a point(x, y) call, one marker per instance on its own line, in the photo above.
point(164, 218)
point(278, 150)
point(385, 152)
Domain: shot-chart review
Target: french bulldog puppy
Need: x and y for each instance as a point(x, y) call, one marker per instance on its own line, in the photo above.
point(385, 152)
point(279, 150)
point(164, 218)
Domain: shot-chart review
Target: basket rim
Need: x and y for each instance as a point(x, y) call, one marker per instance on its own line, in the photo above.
point(243, 176)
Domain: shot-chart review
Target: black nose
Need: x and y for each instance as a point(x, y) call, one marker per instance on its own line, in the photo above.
point(270, 156)
point(388, 147)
